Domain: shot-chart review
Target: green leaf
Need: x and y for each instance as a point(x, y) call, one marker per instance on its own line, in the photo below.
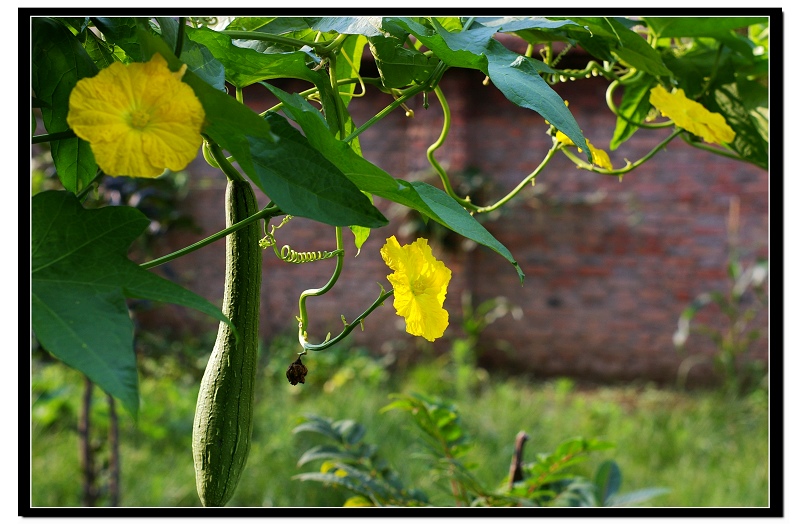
point(626, 44)
point(245, 66)
point(635, 497)
point(125, 32)
point(101, 53)
point(274, 25)
point(699, 26)
point(353, 46)
point(516, 76)
point(351, 432)
point(422, 197)
point(399, 66)
point(319, 425)
point(327, 452)
point(58, 62)
point(513, 24)
point(744, 104)
point(349, 482)
point(78, 24)
point(634, 50)
point(302, 182)
point(634, 107)
point(608, 480)
point(80, 277)
point(367, 26)
point(360, 236)
point(197, 57)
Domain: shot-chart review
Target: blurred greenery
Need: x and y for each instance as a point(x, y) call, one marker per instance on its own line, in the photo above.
point(707, 449)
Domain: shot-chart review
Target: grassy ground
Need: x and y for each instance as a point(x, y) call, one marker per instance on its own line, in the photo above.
point(707, 449)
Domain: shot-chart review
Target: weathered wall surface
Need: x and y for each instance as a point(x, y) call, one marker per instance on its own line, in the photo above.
point(610, 265)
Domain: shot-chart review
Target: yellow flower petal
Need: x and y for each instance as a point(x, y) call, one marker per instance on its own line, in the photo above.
point(138, 119)
point(599, 157)
point(420, 287)
point(563, 139)
point(691, 115)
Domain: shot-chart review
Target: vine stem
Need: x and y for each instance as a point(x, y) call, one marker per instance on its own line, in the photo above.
point(404, 96)
point(629, 166)
point(48, 137)
point(712, 149)
point(614, 109)
point(231, 173)
point(350, 326)
point(89, 497)
point(313, 292)
point(267, 212)
point(113, 460)
point(466, 203)
point(179, 39)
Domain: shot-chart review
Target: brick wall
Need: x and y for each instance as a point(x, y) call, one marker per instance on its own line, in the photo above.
point(610, 265)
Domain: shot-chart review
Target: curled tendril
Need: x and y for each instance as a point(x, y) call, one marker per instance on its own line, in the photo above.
point(290, 256)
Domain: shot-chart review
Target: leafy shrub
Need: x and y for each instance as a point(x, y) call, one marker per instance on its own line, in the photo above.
point(551, 479)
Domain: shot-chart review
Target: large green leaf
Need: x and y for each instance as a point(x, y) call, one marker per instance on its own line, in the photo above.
point(58, 62)
point(80, 278)
point(245, 66)
point(302, 182)
point(516, 76)
point(422, 197)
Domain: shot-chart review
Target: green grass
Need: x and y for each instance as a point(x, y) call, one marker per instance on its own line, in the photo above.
point(708, 450)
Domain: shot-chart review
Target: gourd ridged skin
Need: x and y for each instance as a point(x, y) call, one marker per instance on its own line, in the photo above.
point(224, 414)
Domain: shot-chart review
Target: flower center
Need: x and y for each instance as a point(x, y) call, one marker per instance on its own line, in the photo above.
point(418, 286)
point(139, 119)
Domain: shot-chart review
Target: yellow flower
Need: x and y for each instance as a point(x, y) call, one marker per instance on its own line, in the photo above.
point(420, 285)
point(691, 116)
point(599, 157)
point(139, 118)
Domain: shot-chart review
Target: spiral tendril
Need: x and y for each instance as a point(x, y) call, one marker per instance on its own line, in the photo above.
point(290, 256)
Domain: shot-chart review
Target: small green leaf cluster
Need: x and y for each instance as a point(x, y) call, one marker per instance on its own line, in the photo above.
point(551, 479)
point(350, 463)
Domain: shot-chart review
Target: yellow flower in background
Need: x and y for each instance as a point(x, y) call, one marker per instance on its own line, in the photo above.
point(599, 157)
point(691, 115)
point(139, 118)
point(420, 286)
